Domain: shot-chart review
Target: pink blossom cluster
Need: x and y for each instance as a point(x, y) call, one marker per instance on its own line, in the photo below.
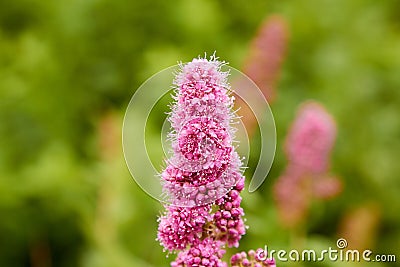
point(308, 147)
point(204, 165)
point(253, 258)
point(203, 178)
point(228, 225)
point(182, 226)
point(208, 252)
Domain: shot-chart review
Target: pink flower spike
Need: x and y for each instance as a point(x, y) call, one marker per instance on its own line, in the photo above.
point(267, 52)
point(308, 147)
point(311, 138)
point(203, 178)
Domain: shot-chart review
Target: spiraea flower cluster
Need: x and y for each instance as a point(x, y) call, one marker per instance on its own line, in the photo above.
point(203, 178)
point(203, 165)
point(253, 258)
point(208, 252)
point(308, 147)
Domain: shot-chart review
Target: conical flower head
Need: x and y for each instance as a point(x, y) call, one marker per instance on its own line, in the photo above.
point(204, 165)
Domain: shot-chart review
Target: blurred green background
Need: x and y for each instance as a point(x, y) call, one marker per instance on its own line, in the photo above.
point(69, 68)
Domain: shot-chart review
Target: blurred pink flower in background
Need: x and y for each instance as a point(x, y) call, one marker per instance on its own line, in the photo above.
point(311, 138)
point(308, 149)
point(267, 52)
point(263, 63)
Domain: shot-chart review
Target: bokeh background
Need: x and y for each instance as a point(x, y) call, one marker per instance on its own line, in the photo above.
point(69, 68)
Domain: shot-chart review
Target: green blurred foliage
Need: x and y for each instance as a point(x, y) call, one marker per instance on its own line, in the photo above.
point(69, 68)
